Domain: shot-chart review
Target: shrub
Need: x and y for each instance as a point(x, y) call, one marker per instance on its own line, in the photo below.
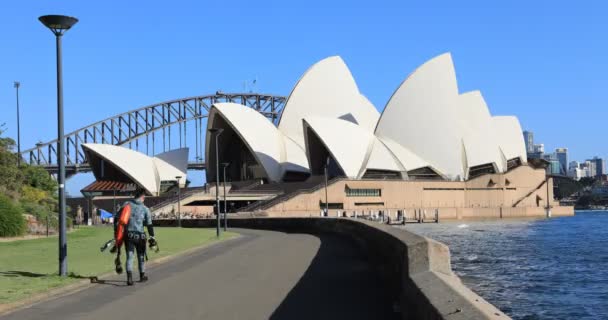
point(42, 213)
point(12, 222)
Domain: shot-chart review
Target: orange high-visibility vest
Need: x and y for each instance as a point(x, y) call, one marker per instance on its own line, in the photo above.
point(123, 220)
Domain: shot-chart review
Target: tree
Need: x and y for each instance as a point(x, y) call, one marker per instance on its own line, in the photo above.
point(39, 178)
point(587, 181)
point(11, 178)
point(12, 222)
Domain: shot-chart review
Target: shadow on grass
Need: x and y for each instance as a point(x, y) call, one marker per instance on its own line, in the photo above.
point(71, 275)
point(27, 274)
point(15, 274)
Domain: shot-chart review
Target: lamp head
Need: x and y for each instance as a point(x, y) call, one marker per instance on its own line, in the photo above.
point(17, 84)
point(57, 23)
point(216, 130)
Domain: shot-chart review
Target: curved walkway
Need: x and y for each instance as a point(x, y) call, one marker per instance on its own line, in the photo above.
point(261, 275)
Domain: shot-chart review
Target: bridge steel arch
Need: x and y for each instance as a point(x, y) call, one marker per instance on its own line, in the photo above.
point(147, 124)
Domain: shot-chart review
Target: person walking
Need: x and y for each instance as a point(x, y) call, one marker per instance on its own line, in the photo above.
point(134, 215)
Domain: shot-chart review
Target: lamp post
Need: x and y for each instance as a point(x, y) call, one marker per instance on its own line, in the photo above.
point(114, 209)
point(225, 165)
point(59, 25)
point(326, 200)
point(217, 132)
point(17, 84)
point(548, 211)
point(179, 208)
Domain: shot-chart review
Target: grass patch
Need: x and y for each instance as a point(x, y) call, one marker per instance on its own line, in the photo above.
point(30, 266)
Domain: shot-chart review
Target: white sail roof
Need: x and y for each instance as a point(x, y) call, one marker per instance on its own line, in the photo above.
point(381, 158)
point(257, 132)
point(408, 160)
point(510, 139)
point(422, 117)
point(480, 141)
point(173, 164)
point(369, 115)
point(294, 157)
point(137, 166)
point(326, 90)
point(348, 143)
point(147, 172)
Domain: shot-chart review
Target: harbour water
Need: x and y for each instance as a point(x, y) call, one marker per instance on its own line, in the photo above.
point(532, 269)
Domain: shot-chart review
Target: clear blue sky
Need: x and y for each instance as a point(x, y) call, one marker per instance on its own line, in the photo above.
point(543, 61)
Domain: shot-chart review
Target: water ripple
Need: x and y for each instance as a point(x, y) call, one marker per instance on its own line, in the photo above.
point(542, 269)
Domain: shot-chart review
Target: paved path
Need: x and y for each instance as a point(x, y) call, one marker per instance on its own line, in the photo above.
point(261, 275)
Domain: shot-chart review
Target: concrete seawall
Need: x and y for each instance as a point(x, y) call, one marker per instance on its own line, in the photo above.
point(416, 269)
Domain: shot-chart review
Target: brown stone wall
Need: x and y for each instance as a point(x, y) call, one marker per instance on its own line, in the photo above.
point(488, 196)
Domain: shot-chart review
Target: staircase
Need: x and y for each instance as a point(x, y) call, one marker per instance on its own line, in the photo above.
point(287, 191)
point(529, 193)
point(244, 185)
point(173, 199)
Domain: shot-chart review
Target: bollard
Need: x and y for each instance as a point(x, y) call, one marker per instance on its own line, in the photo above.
point(436, 215)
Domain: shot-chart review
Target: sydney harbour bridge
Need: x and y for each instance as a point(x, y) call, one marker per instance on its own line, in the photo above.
point(149, 130)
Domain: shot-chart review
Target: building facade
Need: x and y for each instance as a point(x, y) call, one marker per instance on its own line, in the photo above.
point(431, 147)
point(598, 165)
point(529, 140)
point(562, 156)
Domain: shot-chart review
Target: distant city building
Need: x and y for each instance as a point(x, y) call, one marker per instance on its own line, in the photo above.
point(538, 151)
point(590, 167)
point(577, 173)
point(539, 148)
point(554, 167)
point(529, 141)
point(562, 156)
point(599, 166)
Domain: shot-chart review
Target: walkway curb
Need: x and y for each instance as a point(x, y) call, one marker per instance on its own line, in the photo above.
point(87, 283)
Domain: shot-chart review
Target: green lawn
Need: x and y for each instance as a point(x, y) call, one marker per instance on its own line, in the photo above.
point(30, 266)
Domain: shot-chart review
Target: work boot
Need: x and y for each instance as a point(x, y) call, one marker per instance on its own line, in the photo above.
point(129, 278)
point(143, 277)
point(118, 266)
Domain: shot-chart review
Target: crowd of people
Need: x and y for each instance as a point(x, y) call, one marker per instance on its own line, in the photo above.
point(185, 215)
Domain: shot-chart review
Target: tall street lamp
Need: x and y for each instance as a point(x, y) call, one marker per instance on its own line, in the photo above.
point(326, 200)
point(179, 208)
point(217, 132)
point(225, 165)
point(17, 84)
point(114, 209)
point(59, 25)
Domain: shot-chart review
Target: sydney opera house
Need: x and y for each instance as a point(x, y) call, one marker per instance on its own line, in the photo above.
point(432, 148)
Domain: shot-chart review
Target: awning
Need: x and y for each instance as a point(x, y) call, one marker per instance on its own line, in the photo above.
point(108, 188)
